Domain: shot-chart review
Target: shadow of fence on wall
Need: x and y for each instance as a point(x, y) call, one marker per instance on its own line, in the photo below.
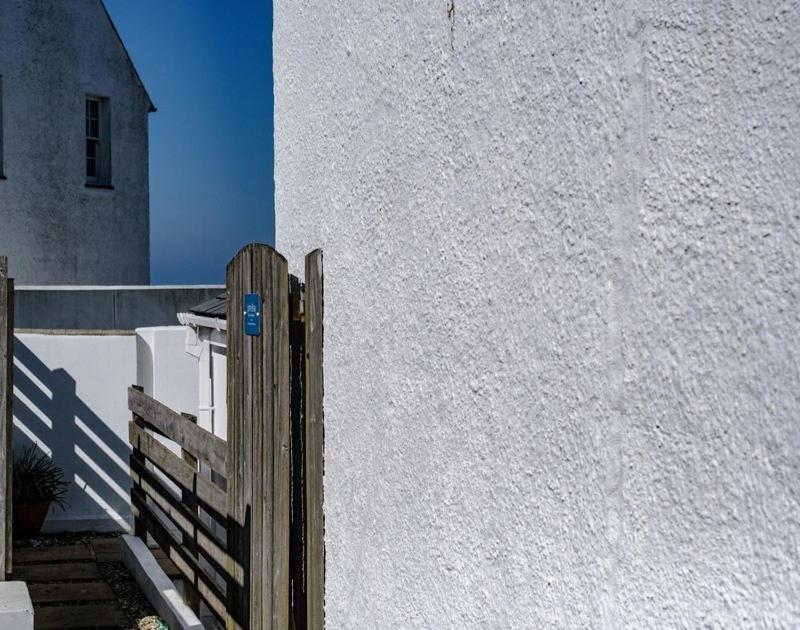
point(49, 412)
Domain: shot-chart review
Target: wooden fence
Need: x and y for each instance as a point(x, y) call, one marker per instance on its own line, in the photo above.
point(6, 412)
point(250, 547)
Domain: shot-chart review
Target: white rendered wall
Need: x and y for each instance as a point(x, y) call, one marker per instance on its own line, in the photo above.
point(164, 369)
point(561, 299)
point(70, 396)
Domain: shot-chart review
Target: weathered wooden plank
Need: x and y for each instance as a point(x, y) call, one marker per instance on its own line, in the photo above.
point(107, 549)
point(60, 553)
point(258, 385)
point(214, 500)
point(56, 572)
point(314, 443)
point(190, 593)
point(70, 592)
point(239, 437)
point(6, 359)
point(201, 443)
point(80, 616)
point(9, 421)
point(282, 423)
point(297, 349)
point(258, 440)
point(137, 423)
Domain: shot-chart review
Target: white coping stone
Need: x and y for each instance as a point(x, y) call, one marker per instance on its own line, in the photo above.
point(156, 586)
point(16, 609)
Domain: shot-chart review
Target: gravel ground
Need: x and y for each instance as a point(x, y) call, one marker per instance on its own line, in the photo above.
point(140, 613)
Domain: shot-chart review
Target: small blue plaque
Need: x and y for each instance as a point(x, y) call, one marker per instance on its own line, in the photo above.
point(252, 314)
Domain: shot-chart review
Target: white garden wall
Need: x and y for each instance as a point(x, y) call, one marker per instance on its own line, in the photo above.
point(561, 299)
point(70, 396)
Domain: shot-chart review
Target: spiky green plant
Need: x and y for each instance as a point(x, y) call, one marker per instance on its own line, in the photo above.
point(38, 479)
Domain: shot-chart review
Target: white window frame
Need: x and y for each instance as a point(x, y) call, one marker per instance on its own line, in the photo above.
point(102, 141)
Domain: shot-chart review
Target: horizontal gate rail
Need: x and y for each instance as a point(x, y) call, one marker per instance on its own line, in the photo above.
point(199, 442)
point(211, 497)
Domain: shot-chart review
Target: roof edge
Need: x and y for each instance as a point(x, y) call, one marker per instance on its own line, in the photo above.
point(151, 106)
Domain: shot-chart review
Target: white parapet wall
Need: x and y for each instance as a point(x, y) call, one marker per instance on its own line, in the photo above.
point(70, 397)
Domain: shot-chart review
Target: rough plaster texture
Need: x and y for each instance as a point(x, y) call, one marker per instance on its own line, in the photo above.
point(561, 299)
point(55, 230)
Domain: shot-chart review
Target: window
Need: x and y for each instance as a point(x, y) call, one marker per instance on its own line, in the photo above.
point(98, 142)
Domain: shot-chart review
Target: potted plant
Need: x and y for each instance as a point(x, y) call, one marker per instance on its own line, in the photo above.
point(37, 483)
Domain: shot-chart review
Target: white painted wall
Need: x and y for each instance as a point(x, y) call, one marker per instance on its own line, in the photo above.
point(55, 229)
point(561, 278)
point(71, 397)
point(164, 369)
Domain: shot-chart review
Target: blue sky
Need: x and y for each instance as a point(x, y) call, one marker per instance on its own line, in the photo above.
point(207, 65)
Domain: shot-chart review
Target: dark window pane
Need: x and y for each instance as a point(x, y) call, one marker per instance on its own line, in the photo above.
point(91, 149)
point(93, 109)
point(91, 167)
point(94, 129)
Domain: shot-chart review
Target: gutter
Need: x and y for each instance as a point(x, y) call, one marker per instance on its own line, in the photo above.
point(190, 319)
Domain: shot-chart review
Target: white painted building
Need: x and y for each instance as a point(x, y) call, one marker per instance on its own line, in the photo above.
point(561, 307)
point(74, 191)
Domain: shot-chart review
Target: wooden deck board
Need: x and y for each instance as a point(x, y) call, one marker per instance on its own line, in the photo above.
point(63, 553)
point(67, 571)
point(107, 549)
point(70, 592)
point(80, 616)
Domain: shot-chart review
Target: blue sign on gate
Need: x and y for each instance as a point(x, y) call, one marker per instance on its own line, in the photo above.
point(252, 314)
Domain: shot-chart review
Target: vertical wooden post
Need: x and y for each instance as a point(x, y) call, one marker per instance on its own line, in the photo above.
point(190, 594)
point(9, 424)
point(6, 392)
point(258, 441)
point(297, 345)
point(139, 525)
point(315, 441)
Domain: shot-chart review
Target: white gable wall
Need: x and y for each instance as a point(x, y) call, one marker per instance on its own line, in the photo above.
point(54, 229)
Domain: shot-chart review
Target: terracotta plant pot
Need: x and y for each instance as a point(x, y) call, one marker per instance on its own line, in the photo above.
point(28, 519)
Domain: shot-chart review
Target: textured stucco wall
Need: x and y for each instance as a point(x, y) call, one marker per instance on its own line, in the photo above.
point(561, 273)
point(53, 228)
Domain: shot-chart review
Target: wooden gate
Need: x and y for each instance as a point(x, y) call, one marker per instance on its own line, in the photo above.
point(6, 412)
point(249, 546)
